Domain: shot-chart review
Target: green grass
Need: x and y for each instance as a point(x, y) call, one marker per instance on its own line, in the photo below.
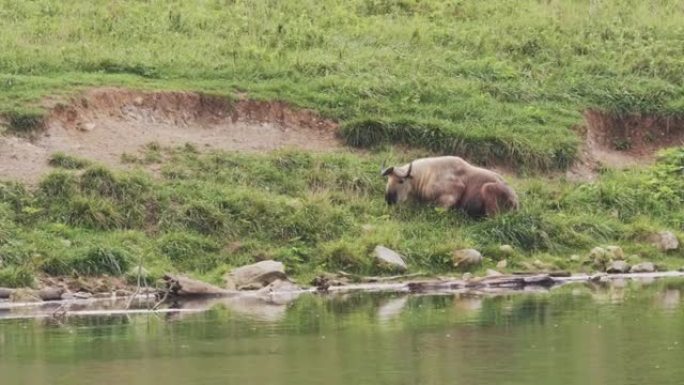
point(484, 80)
point(314, 212)
point(495, 82)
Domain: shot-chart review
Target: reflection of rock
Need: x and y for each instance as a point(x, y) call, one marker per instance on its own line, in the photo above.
point(391, 308)
point(467, 303)
point(670, 299)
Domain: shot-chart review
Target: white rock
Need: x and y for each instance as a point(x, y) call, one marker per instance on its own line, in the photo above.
point(618, 267)
point(467, 258)
point(665, 241)
point(389, 258)
point(255, 276)
point(644, 267)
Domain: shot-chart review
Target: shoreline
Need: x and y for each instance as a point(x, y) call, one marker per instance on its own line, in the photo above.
point(253, 300)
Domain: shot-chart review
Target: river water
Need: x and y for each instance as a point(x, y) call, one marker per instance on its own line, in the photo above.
point(625, 334)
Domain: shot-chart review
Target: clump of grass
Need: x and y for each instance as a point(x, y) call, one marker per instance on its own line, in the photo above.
point(62, 160)
point(16, 277)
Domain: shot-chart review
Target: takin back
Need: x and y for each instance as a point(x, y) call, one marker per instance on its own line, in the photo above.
point(450, 182)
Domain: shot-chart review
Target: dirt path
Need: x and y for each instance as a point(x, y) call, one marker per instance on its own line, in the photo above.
point(102, 124)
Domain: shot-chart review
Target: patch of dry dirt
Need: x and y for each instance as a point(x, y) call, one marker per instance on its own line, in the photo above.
point(102, 124)
point(623, 141)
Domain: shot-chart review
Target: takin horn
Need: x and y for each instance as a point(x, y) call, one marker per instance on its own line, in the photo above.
point(408, 172)
point(385, 171)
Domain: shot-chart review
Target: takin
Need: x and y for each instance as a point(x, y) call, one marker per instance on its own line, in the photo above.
point(450, 182)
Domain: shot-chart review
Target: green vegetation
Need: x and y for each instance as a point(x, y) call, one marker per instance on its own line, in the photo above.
point(209, 212)
point(482, 79)
point(62, 160)
point(497, 81)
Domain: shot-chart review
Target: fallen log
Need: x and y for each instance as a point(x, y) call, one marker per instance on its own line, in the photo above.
point(5, 292)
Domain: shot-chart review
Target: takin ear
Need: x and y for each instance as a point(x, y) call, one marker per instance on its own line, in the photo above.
point(387, 171)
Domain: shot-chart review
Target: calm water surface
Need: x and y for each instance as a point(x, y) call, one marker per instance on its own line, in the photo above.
point(573, 335)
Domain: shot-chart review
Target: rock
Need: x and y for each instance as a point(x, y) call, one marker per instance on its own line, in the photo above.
point(466, 258)
point(138, 101)
point(51, 293)
point(502, 264)
point(575, 258)
point(597, 277)
point(506, 249)
point(182, 286)
point(492, 273)
point(598, 257)
point(615, 252)
point(389, 259)
point(281, 286)
point(280, 292)
point(665, 241)
point(24, 295)
point(618, 267)
point(82, 295)
point(255, 276)
point(539, 264)
point(467, 276)
point(644, 267)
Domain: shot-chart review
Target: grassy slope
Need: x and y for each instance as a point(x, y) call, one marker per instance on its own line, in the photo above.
point(485, 80)
point(314, 212)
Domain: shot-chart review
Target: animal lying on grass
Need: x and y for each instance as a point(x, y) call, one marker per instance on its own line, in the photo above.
point(450, 182)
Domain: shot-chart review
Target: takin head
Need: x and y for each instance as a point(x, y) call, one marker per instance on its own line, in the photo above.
point(399, 184)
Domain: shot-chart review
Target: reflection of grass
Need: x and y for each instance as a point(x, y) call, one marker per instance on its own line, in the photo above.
point(314, 212)
point(488, 80)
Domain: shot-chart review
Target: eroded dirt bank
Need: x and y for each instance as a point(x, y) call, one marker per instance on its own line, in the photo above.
point(102, 124)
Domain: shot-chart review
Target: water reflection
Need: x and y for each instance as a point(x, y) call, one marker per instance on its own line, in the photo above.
point(629, 333)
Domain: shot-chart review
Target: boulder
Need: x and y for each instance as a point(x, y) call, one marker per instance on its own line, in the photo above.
point(615, 252)
point(575, 258)
point(492, 273)
point(24, 295)
point(598, 253)
point(389, 259)
point(255, 276)
point(183, 286)
point(51, 293)
point(506, 249)
point(644, 267)
point(502, 264)
point(665, 241)
point(466, 258)
point(618, 267)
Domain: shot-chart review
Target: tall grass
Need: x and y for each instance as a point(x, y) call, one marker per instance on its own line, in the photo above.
point(481, 79)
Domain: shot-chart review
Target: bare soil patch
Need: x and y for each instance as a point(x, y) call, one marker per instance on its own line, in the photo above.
point(102, 124)
point(624, 141)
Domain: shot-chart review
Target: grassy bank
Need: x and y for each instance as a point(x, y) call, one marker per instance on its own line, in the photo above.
point(495, 82)
point(482, 79)
point(209, 212)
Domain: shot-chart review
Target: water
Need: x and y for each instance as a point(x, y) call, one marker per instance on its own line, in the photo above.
point(573, 335)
